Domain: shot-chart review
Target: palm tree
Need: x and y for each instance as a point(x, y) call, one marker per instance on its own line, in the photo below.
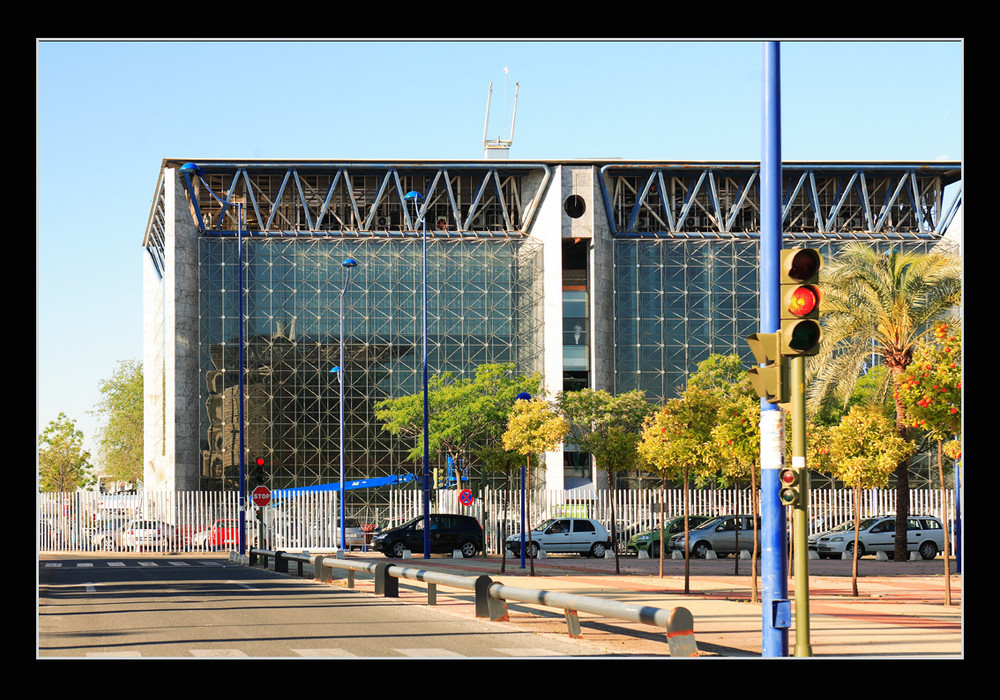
point(880, 302)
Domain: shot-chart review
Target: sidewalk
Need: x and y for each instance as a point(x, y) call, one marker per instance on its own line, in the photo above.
point(899, 612)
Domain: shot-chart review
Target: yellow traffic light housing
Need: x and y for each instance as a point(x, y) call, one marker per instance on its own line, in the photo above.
point(791, 490)
point(800, 301)
point(770, 381)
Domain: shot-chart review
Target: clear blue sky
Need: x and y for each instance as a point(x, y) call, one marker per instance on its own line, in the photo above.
point(109, 112)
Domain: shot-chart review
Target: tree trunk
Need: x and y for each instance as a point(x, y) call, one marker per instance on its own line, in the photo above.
point(857, 526)
point(663, 495)
point(902, 474)
point(527, 510)
point(687, 537)
point(944, 521)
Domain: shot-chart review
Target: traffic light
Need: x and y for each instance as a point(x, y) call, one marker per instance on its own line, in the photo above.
point(800, 300)
point(791, 488)
point(257, 475)
point(437, 478)
point(771, 380)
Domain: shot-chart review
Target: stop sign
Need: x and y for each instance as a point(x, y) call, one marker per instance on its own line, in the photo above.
point(261, 496)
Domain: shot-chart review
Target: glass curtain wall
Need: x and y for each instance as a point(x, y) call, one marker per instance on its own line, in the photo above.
point(483, 306)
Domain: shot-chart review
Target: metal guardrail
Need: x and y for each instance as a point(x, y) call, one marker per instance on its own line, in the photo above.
point(491, 597)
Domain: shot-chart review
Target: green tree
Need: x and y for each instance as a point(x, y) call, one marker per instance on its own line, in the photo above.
point(734, 451)
point(864, 451)
point(931, 391)
point(533, 427)
point(607, 426)
point(673, 443)
point(120, 435)
point(63, 464)
point(882, 302)
point(466, 416)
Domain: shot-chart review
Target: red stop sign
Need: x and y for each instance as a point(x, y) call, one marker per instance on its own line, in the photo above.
point(261, 496)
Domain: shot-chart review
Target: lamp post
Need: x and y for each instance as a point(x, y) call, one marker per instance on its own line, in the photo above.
point(348, 264)
point(189, 169)
point(415, 197)
point(523, 396)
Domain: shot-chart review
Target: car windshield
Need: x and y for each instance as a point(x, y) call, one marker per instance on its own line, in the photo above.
point(848, 525)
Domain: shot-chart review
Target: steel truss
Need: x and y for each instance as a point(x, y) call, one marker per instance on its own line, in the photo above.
point(720, 201)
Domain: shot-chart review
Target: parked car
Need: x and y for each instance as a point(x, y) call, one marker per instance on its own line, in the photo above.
point(924, 534)
point(649, 540)
point(108, 535)
point(448, 532)
point(146, 534)
point(726, 534)
point(224, 533)
point(584, 536)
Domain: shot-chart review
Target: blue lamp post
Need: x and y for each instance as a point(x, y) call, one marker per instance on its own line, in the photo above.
point(189, 169)
point(415, 197)
point(523, 396)
point(348, 264)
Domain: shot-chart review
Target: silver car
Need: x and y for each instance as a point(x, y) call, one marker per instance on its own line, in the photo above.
point(726, 534)
point(924, 534)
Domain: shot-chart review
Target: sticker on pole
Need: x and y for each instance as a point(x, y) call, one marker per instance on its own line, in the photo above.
point(261, 496)
point(465, 497)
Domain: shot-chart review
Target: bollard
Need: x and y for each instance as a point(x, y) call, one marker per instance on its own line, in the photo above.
point(573, 624)
point(323, 572)
point(384, 583)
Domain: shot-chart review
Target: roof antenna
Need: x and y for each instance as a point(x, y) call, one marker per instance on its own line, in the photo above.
point(500, 147)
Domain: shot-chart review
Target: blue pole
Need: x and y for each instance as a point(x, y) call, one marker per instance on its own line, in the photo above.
point(239, 293)
point(347, 264)
point(525, 396)
point(774, 566)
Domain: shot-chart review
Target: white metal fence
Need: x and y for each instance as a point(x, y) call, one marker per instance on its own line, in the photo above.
point(191, 521)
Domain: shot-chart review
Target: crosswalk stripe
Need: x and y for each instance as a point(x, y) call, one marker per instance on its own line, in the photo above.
point(85, 564)
point(116, 563)
point(223, 653)
point(529, 652)
point(324, 652)
point(429, 653)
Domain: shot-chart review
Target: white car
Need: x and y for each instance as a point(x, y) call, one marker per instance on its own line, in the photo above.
point(924, 534)
point(584, 536)
point(146, 534)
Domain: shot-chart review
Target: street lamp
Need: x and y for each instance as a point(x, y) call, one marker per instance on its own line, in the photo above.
point(415, 196)
point(523, 396)
point(189, 169)
point(348, 264)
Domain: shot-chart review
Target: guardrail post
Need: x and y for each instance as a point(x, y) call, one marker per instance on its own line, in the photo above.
point(384, 583)
point(253, 558)
point(680, 633)
point(488, 606)
point(280, 563)
point(573, 623)
point(323, 572)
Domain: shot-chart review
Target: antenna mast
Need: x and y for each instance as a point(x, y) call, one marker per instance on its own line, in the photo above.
point(500, 147)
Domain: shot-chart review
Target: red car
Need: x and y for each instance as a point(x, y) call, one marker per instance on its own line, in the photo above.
point(224, 533)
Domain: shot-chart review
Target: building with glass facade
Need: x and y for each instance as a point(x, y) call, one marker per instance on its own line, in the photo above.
point(614, 275)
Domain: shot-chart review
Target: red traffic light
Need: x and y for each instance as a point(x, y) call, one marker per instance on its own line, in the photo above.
point(260, 461)
point(803, 300)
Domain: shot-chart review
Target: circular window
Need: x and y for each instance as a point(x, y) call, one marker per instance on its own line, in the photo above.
point(574, 206)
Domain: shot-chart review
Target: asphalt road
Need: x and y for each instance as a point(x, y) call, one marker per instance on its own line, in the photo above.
point(164, 607)
point(170, 606)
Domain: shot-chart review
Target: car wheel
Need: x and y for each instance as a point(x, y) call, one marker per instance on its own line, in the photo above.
point(396, 549)
point(928, 550)
point(700, 550)
point(849, 552)
point(468, 549)
point(598, 550)
point(533, 550)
